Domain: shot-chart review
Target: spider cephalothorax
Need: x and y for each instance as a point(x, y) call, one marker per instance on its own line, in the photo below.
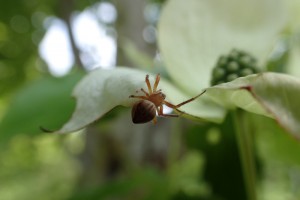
point(152, 102)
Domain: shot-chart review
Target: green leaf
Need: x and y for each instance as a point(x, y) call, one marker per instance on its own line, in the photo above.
point(153, 184)
point(275, 144)
point(102, 90)
point(193, 34)
point(45, 102)
point(293, 63)
point(293, 15)
point(279, 155)
point(185, 174)
point(136, 56)
point(271, 94)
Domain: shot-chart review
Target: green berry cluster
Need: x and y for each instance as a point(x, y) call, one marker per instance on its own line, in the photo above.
point(232, 66)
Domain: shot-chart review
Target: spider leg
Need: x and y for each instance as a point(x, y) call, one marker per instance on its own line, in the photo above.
point(161, 113)
point(170, 105)
point(138, 97)
point(157, 79)
point(148, 84)
point(146, 93)
point(174, 107)
point(154, 120)
point(182, 103)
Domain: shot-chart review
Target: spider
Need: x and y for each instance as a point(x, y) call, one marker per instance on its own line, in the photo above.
point(152, 102)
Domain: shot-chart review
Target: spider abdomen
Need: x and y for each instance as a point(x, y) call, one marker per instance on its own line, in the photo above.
point(143, 111)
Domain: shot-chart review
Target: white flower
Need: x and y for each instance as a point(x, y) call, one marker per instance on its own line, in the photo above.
point(192, 35)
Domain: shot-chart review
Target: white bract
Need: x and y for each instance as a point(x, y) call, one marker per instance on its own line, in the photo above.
point(193, 34)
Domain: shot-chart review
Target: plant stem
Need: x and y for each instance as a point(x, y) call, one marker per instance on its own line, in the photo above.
point(245, 146)
point(66, 10)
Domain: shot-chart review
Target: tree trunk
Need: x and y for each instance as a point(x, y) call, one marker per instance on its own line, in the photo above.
point(130, 26)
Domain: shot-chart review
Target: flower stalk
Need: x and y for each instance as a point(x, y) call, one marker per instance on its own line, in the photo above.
point(246, 151)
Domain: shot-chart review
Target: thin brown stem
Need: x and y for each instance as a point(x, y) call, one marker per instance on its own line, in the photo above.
point(66, 10)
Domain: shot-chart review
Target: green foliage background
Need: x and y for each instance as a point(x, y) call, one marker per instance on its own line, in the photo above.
point(113, 159)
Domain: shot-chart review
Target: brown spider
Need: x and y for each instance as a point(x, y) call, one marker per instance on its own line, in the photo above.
point(145, 110)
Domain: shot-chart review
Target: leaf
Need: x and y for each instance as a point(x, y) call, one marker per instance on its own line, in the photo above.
point(279, 155)
point(292, 66)
point(45, 102)
point(293, 15)
point(184, 175)
point(153, 184)
point(193, 34)
point(136, 56)
point(271, 94)
point(102, 90)
point(275, 144)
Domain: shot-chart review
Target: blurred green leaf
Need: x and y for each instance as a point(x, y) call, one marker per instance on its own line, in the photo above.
point(271, 94)
point(279, 153)
point(293, 63)
point(37, 168)
point(275, 143)
point(45, 102)
point(145, 184)
point(137, 57)
point(185, 175)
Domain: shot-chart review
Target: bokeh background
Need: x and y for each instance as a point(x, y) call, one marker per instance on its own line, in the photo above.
point(46, 47)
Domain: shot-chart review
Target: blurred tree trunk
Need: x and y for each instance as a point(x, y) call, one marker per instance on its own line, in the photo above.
point(102, 159)
point(66, 8)
point(130, 25)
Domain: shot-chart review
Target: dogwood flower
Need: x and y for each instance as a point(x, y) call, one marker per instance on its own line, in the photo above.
point(192, 36)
